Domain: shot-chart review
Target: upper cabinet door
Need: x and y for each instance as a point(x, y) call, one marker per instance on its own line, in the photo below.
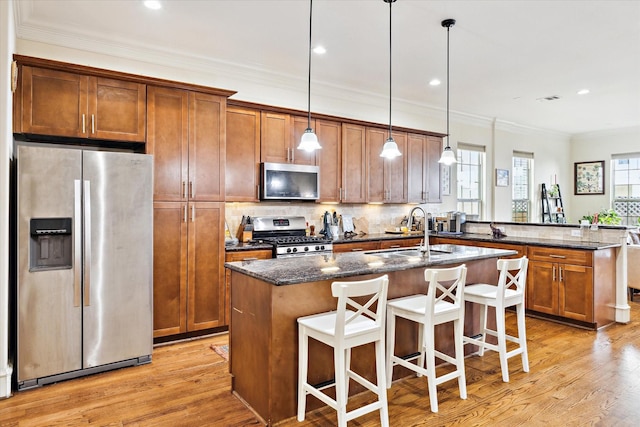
point(354, 161)
point(376, 191)
point(434, 186)
point(395, 178)
point(417, 168)
point(243, 155)
point(168, 139)
point(275, 133)
point(330, 138)
point(207, 128)
point(117, 110)
point(60, 103)
point(53, 103)
point(301, 157)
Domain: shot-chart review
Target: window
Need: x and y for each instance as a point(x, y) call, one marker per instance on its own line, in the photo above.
point(626, 187)
point(470, 184)
point(521, 187)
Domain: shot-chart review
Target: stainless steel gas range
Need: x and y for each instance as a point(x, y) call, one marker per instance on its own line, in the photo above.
point(288, 236)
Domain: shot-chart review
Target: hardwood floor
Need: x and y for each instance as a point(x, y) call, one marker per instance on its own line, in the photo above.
point(577, 378)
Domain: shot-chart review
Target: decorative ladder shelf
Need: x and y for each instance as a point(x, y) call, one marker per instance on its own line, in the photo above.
point(552, 207)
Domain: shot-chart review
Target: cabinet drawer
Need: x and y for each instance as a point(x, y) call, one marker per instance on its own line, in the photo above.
point(355, 246)
point(566, 256)
point(399, 243)
point(247, 255)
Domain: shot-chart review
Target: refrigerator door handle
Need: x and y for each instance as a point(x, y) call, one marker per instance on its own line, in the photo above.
point(87, 242)
point(77, 245)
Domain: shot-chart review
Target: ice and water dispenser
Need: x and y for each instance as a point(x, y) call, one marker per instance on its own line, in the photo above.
point(50, 244)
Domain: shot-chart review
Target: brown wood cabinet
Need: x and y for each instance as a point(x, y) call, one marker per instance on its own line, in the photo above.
point(188, 291)
point(354, 163)
point(63, 103)
point(423, 169)
point(242, 178)
point(240, 256)
point(560, 282)
point(328, 159)
point(386, 178)
point(186, 132)
point(279, 138)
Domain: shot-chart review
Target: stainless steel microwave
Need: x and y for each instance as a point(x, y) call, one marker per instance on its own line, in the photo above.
point(285, 181)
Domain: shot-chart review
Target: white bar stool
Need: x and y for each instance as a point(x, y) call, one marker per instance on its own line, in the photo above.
point(509, 292)
point(344, 329)
point(443, 303)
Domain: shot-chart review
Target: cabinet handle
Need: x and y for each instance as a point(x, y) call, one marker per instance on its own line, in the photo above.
point(287, 154)
point(557, 256)
point(554, 273)
point(394, 246)
point(191, 189)
point(249, 259)
point(293, 155)
point(84, 127)
point(560, 270)
point(185, 213)
point(356, 250)
point(93, 124)
point(184, 189)
point(193, 213)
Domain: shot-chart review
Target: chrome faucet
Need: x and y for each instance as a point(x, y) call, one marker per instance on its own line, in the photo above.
point(424, 243)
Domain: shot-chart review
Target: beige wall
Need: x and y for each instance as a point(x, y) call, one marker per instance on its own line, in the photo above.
point(594, 147)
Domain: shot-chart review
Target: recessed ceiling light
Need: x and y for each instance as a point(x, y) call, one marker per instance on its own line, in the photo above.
point(435, 82)
point(319, 50)
point(583, 91)
point(153, 4)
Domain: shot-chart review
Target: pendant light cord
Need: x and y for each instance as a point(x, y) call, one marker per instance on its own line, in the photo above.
point(309, 77)
point(390, 2)
point(448, 28)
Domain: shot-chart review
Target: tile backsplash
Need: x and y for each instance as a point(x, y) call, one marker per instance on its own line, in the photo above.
point(369, 218)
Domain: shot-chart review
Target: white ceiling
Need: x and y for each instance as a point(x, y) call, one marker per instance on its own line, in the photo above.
point(506, 56)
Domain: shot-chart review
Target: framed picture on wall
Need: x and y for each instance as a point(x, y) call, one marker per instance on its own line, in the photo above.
point(502, 177)
point(589, 177)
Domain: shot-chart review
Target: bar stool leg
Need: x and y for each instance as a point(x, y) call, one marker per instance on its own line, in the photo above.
point(303, 343)
point(381, 382)
point(502, 343)
point(391, 339)
point(428, 347)
point(339, 355)
point(458, 330)
point(522, 337)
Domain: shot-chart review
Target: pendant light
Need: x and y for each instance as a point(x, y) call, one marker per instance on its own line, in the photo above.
point(309, 140)
point(390, 148)
point(448, 158)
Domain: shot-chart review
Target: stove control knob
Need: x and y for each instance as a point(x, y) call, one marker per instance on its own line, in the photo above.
point(295, 249)
point(322, 247)
point(317, 248)
point(288, 250)
point(306, 248)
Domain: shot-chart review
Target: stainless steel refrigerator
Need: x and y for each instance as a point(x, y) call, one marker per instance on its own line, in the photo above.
point(85, 262)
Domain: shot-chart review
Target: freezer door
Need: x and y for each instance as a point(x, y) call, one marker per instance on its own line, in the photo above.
point(49, 312)
point(118, 240)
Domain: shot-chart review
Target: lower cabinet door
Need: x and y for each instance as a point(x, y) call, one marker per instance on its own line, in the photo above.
point(576, 292)
point(205, 283)
point(188, 272)
point(169, 268)
point(542, 287)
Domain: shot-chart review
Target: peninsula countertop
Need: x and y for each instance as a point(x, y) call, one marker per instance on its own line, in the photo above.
point(287, 271)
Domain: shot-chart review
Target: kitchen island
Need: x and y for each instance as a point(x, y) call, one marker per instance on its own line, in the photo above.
point(267, 296)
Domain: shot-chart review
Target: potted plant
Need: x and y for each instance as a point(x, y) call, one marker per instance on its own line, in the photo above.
point(605, 216)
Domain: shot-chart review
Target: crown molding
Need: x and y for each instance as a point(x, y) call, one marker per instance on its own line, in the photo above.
point(632, 130)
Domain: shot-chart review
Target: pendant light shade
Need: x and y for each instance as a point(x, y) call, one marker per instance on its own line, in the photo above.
point(448, 158)
point(390, 148)
point(309, 140)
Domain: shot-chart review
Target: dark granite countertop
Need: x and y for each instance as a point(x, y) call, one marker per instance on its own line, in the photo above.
point(287, 271)
point(247, 247)
point(533, 241)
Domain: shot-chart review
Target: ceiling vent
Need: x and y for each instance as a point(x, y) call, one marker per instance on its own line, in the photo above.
point(549, 98)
